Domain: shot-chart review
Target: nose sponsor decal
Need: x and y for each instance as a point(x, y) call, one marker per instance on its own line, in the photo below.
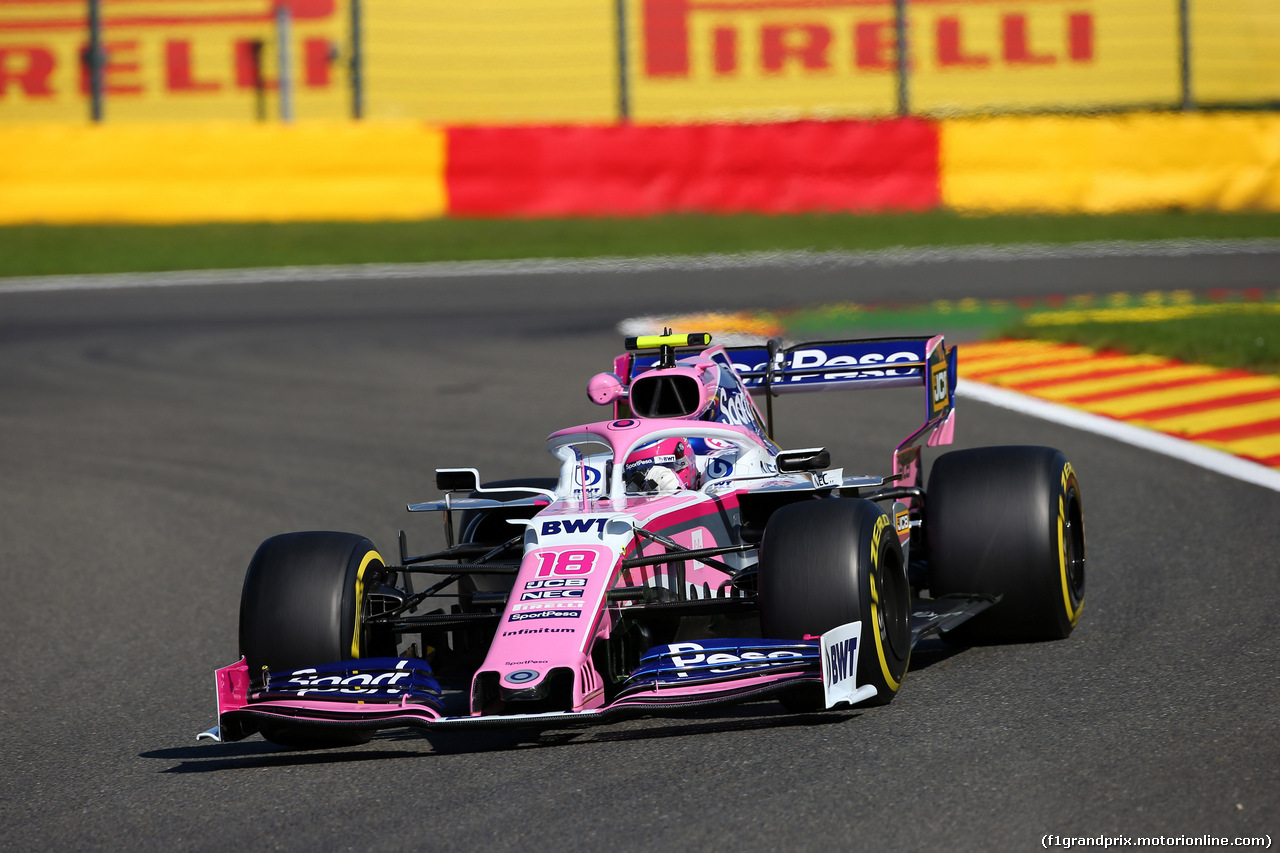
point(521, 676)
point(572, 525)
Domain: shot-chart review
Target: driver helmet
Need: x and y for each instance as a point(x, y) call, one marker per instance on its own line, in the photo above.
point(664, 466)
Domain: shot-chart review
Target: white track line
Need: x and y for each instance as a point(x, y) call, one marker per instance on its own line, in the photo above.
point(804, 259)
point(1157, 442)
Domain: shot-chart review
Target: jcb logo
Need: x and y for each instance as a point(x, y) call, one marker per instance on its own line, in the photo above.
point(941, 387)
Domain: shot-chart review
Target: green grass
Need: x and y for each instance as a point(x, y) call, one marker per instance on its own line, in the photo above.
point(44, 250)
point(1248, 341)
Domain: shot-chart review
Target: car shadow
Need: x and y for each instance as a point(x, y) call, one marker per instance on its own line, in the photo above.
point(256, 753)
point(661, 728)
point(932, 651)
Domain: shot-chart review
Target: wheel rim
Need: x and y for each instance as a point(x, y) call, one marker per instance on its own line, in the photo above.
point(892, 617)
point(1073, 548)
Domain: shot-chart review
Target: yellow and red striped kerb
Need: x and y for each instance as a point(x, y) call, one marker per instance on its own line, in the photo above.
point(1230, 410)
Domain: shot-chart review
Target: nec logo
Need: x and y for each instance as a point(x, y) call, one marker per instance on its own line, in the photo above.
point(541, 594)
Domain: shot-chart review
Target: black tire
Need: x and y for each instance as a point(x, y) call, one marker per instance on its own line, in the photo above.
point(1008, 521)
point(826, 563)
point(301, 605)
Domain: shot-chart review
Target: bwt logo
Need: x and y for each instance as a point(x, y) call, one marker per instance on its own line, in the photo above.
point(593, 476)
point(855, 36)
point(573, 525)
point(841, 658)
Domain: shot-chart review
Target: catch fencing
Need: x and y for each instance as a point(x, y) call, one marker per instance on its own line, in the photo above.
point(541, 62)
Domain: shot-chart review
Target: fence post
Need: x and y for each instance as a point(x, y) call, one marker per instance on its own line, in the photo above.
point(1184, 47)
point(96, 59)
point(284, 38)
point(357, 62)
point(904, 65)
point(624, 94)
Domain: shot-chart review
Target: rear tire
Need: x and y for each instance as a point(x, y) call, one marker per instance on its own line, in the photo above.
point(826, 563)
point(302, 605)
point(1008, 521)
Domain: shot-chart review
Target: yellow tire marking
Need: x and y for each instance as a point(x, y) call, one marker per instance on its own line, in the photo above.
point(364, 564)
point(881, 523)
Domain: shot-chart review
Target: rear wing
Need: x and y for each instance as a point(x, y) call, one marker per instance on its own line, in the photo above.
point(772, 369)
point(867, 363)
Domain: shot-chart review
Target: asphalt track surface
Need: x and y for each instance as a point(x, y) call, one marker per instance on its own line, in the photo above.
point(149, 439)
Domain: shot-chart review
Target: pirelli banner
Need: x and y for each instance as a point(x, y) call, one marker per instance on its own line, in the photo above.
point(169, 60)
point(654, 61)
point(759, 59)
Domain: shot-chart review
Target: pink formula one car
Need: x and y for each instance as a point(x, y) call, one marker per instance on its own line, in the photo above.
point(680, 559)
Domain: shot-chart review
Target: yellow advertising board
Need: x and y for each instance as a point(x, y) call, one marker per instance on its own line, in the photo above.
point(752, 59)
point(560, 61)
point(170, 60)
point(1235, 56)
point(1016, 55)
point(130, 172)
point(492, 61)
point(760, 60)
point(1111, 164)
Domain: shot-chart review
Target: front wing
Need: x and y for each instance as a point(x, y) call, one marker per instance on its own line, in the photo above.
point(679, 677)
point(383, 693)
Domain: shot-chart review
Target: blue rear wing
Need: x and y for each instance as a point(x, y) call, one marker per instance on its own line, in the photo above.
point(866, 363)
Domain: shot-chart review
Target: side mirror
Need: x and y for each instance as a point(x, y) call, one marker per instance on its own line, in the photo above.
point(604, 388)
point(457, 479)
point(799, 461)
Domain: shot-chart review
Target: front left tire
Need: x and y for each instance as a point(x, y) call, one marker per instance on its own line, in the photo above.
point(826, 563)
point(303, 604)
